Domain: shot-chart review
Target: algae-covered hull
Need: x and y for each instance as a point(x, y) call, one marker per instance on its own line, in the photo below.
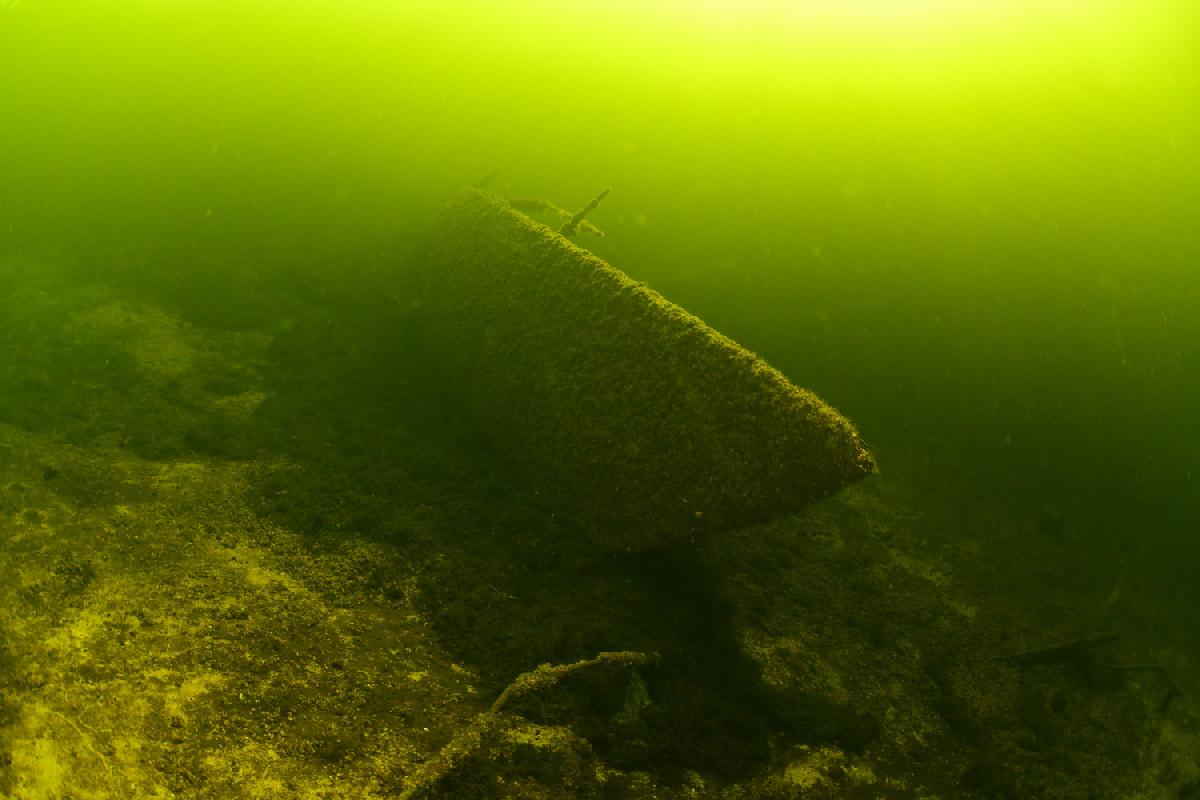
point(616, 408)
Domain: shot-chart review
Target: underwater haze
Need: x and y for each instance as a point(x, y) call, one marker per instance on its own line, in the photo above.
point(971, 227)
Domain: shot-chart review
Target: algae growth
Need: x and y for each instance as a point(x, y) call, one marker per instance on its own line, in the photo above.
point(616, 407)
point(251, 547)
point(242, 560)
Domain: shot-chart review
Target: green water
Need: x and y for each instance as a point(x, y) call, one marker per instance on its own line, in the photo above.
point(970, 227)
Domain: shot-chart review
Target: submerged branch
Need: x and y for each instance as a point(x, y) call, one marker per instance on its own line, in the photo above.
point(1080, 653)
point(1073, 652)
point(468, 741)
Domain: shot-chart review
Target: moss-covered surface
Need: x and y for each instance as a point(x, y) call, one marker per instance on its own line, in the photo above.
point(238, 559)
point(616, 407)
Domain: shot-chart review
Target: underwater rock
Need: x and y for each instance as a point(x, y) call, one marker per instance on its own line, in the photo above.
point(619, 411)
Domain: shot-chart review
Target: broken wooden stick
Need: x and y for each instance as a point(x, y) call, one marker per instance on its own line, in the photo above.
point(572, 225)
point(470, 739)
point(1080, 653)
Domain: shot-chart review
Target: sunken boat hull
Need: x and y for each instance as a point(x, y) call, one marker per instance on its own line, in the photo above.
point(619, 411)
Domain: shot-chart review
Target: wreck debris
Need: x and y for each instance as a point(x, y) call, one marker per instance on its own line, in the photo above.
point(572, 224)
point(535, 207)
